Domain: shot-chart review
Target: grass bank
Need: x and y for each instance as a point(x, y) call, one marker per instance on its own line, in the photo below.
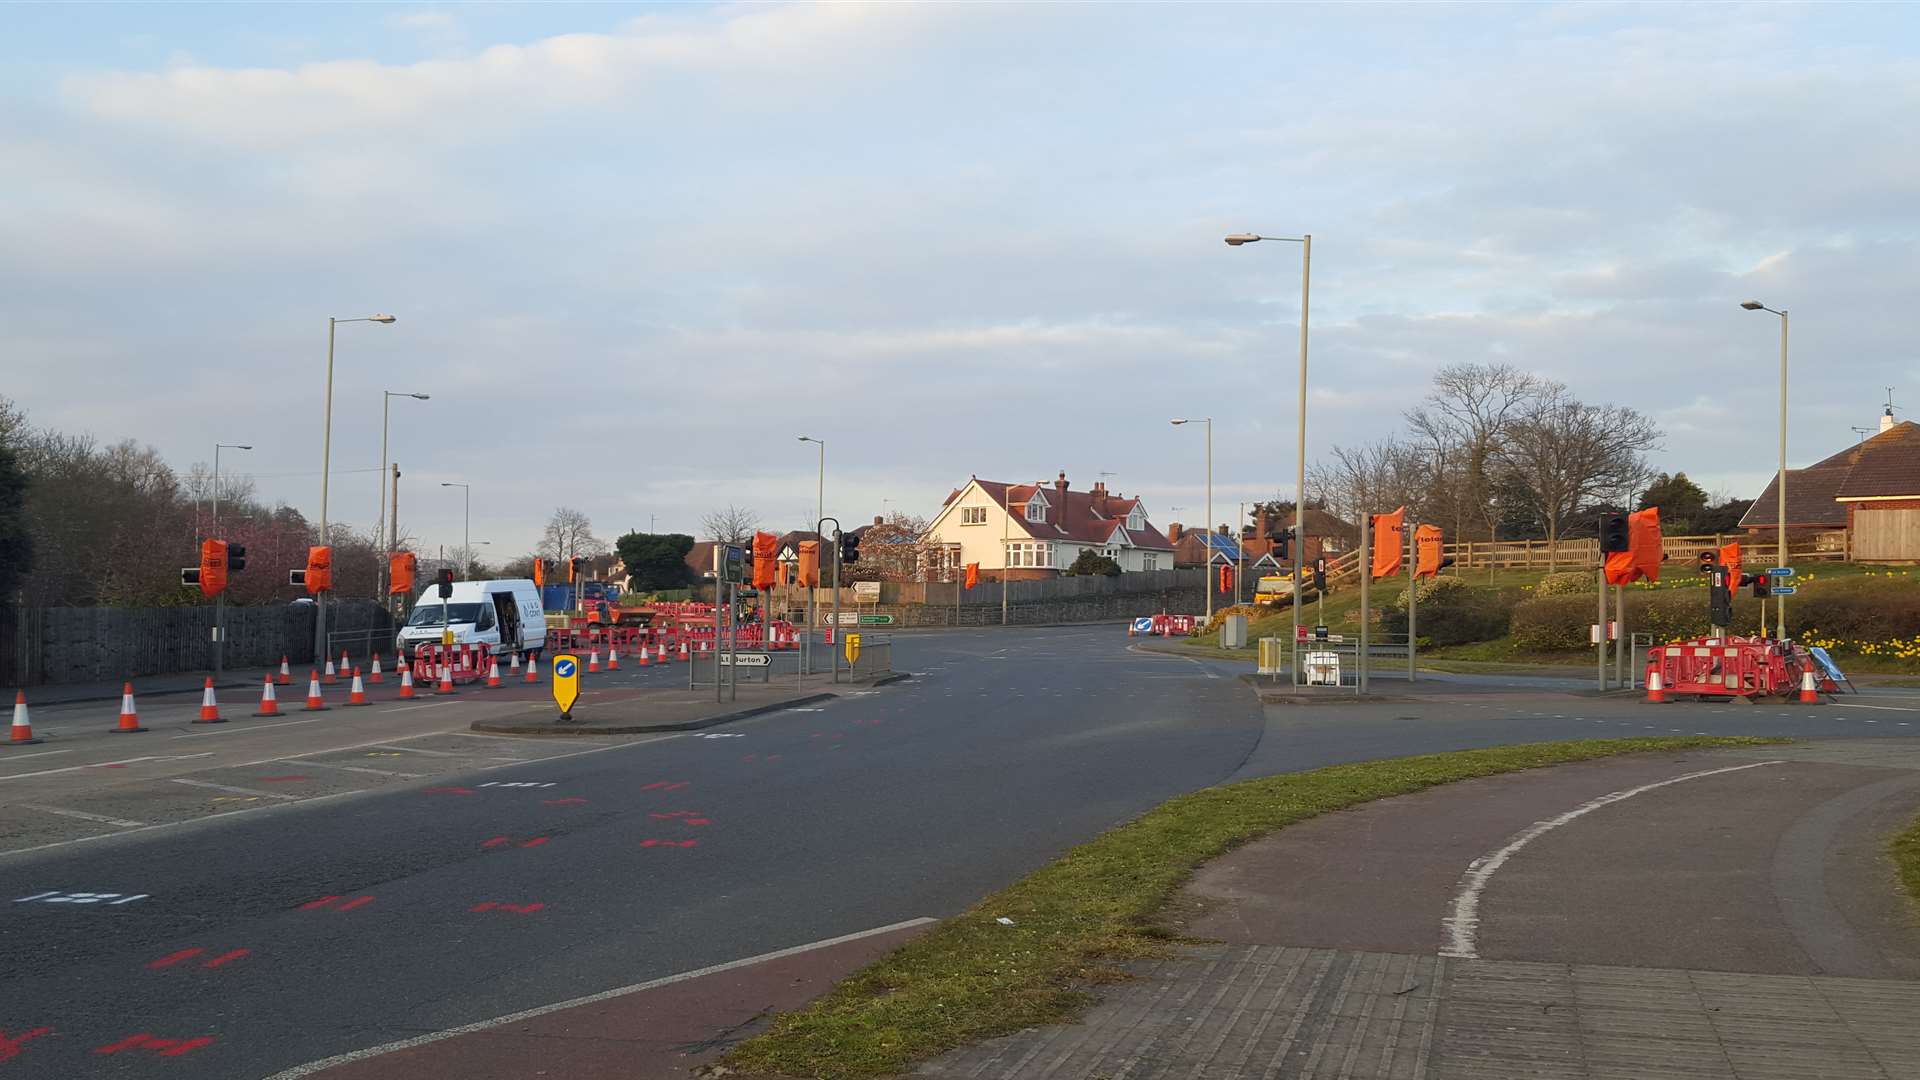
point(974, 977)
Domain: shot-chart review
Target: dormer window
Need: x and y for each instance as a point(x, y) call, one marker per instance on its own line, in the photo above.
point(1037, 509)
point(1136, 520)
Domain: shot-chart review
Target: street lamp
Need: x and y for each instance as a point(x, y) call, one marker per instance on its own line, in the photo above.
point(220, 598)
point(1300, 476)
point(326, 467)
point(1780, 616)
point(466, 521)
point(819, 515)
point(386, 405)
point(1208, 543)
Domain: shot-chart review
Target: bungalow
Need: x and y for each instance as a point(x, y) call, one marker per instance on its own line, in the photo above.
point(1871, 491)
point(1037, 530)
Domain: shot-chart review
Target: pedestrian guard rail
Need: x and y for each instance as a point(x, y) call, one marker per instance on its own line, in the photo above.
point(1733, 667)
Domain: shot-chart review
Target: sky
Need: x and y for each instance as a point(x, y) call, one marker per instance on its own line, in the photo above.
point(635, 251)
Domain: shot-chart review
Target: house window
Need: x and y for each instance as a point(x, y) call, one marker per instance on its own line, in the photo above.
point(1036, 509)
point(1136, 520)
point(1029, 554)
point(973, 515)
point(1149, 561)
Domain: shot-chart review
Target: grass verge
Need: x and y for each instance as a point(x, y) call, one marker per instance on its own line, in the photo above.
point(973, 977)
point(1905, 850)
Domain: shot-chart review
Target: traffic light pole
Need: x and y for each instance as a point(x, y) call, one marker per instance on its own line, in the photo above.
point(1600, 622)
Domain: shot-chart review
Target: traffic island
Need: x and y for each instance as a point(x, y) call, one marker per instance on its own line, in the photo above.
point(648, 710)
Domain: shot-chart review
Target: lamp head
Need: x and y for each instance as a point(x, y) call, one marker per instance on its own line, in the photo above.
point(380, 318)
point(1243, 238)
point(420, 397)
point(1177, 423)
point(1753, 305)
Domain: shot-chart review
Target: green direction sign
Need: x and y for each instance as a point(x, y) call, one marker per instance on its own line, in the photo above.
point(876, 620)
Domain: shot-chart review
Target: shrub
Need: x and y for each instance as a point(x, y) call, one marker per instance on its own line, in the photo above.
point(1452, 612)
point(1577, 583)
point(1093, 564)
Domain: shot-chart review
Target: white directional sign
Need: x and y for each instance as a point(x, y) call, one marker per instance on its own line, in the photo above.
point(747, 659)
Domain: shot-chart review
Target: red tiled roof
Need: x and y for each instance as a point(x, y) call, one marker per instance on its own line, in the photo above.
point(1084, 523)
point(1886, 465)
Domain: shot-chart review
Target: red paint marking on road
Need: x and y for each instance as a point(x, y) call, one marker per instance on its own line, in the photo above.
point(571, 800)
point(227, 958)
point(354, 903)
point(189, 1045)
point(670, 815)
point(449, 791)
point(282, 779)
point(669, 843)
point(536, 841)
point(773, 757)
point(487, 905)
point(173, 958)
point(698, 821)
point(109, 766)
point(666, 785)
point(495, 842)
point(322, 902)
point(10, 1047)
point(517, 909)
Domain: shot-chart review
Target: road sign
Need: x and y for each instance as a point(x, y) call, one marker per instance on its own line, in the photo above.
point(747, 659)
point(1143, 626)
point(849, 618)
point(566, 683)
point(853, 648)
point(1780, 571)
point(876, 620)
point(1783, 590)
point(866, 592)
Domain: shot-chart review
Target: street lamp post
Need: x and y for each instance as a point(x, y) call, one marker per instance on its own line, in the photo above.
point(1208, 545)
point(1300, 450)
point(220, 598)
point(326, 467)
point(1780, 614)
point(466, 522)
point(819, 514)
point(380, 529)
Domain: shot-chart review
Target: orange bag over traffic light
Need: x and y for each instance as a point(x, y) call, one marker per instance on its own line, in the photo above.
point(213, 567)
point(319, 569)
point(1426, 540)
point(1644, 550)
point(400, 567)
point(765, 567)
point(1389, 537)
point(810, 564)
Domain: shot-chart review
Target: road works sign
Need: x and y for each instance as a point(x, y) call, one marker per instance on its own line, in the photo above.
point(853, 648)
point(566, 683)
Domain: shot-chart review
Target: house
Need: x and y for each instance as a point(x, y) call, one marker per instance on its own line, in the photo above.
point(1871, 491)
point(1326, 535)
point(1037, 530)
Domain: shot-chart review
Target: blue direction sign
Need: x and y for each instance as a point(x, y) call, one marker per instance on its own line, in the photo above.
point(1780, 571)
point(1783, 590)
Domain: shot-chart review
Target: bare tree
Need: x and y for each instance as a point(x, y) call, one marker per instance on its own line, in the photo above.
point(569, 534)
point(734, 525)
point(1566, 454)
point(891, 550)
point(1358, 480)
point(1462, 426)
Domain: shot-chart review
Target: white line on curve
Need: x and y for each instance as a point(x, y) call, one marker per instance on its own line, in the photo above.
point(1463, 923)
point(312, 1067)
point(84, 816)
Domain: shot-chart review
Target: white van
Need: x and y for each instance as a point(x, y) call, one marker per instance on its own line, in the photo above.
point(505, 614)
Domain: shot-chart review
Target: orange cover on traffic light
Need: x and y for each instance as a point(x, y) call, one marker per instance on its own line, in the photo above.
point(213, 567)
point(765, 570)
point(319, 569)
point(809, 564)
point(1389, 536)
point(1644, 550)
point(1427, 541)
point(1730, 558)
point(400, 566)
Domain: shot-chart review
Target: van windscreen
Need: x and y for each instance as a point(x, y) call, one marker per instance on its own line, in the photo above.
point(428, 614)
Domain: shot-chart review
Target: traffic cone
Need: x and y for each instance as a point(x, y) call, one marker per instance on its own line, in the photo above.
point(358, 694)
point(376, 676)
point(686, 654)
point(315, 703)
point(129, 716)
point(513, 663)
point(493, 676)
point(269, 701)
point(345, 664)
point(533, 668)
point(644, 662)
point(209, 705)
point(1809, 693)
point(22, 726)
point(331, 676)
point(593, 661)
point(613, 658)
point(1656, 690)
point(406, 681)
point(286, 673)
point(446, 680)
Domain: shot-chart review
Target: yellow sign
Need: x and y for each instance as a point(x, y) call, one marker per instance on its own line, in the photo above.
point(853, 648)
point(446, 637)
point(566, 682)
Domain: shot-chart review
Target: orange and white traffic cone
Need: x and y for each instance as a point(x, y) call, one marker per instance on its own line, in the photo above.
point(209, 706)
point(513, 663)
point(446, 680)
point(315, 702)
point(533, 668)
point(129, 715)
point(286, 673)
point(357, 695)
point(376, 675)
point(493, 675)
point(643, 661)
point(346, 665)
point(1809, 693)
point(22, 734)
point(593, 661)
point(686, 654)
point(613, 658)
point(406, 681)
point(331, 676)
point(269, 701)
point(1656, 690)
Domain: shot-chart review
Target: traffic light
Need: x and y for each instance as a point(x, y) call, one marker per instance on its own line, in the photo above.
point(443, 579)
point(1709, 561)
point(318, 576)
point(401, 567)
point(1762, 584)
point(1320, 574)
point(1613, 534)
point(213, 567)
point(1719, 599)
point(1226, 579)
point(236, 556)
point(189, 575)
point(1282, 542)
point(574, 566)
point(849, 548)
point(294, 577)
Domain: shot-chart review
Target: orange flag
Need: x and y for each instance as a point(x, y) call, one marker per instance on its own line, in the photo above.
point(1389, 537)
point(1426, 538)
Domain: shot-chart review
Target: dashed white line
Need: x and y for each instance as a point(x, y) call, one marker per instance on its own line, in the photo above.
point(250, 729)
point(231, 789)
point(84, 816)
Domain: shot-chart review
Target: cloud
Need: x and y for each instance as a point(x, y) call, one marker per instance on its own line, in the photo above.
point(429, 21)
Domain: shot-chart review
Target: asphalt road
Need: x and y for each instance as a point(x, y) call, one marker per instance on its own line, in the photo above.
point(436, 901)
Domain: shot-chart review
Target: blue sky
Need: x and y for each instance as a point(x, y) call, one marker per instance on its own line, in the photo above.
point(636, 249)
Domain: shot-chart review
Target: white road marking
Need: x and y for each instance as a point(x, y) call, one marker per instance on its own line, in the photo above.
point(1459, 927)
point(103, 764)
point(417, 750)
point(84, 816)
point(312, 1067)
point(36, 753)
point(232, 790)
point(1888, 708)
point(248, 730)
point(428, 705)
point(356, 768)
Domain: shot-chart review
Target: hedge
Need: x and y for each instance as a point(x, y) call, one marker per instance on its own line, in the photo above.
point(1452, 612)
point(1850, 612)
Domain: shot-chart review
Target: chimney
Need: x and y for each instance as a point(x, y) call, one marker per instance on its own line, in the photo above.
point(1260, 524)
point(878, 520)
point(1060, 504)
point(1173, 533)
point(1886, 418)
point(1098, 499)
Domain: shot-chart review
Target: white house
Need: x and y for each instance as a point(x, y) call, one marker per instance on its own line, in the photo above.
point(1037, 530)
